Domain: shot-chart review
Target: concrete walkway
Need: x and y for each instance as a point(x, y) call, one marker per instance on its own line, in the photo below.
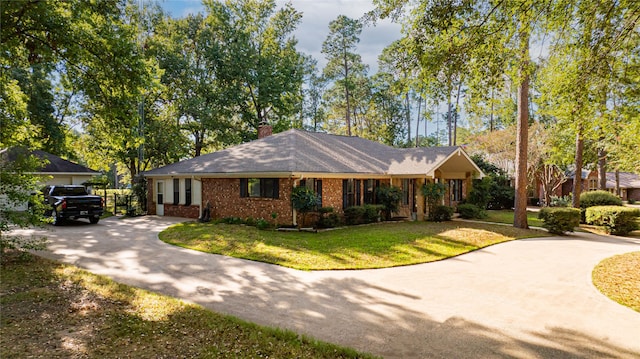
point(530, 298)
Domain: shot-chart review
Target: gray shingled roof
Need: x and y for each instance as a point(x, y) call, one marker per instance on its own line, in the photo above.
point(54, 164)
point(627, 180)
point(296, 151)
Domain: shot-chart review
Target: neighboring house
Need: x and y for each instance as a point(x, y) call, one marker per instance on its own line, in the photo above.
point(56, 171)
point(629, 184)
point(255, 179)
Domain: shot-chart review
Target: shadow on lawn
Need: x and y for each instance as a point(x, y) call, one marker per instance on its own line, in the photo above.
point(334, 308)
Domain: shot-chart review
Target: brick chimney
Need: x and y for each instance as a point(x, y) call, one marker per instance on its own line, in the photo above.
point(264, 130)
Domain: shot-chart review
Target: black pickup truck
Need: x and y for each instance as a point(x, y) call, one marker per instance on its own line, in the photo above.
point(71, 202)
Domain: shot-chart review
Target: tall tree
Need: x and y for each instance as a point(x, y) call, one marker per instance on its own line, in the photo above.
point(452, 33)
point(344, 65)
point(260, 65)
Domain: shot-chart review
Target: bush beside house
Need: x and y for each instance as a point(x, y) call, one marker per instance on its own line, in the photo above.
point(559, 220)
point(597, 198)
point(613, 219)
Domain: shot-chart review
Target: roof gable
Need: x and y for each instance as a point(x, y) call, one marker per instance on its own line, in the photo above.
point(54, 164)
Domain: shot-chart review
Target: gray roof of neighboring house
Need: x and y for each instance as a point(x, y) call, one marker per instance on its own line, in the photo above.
point(54, 163)
point(296, 151)
point(627, 180)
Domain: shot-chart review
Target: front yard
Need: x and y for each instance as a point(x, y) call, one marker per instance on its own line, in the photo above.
point(53, 310)
point(361, 247)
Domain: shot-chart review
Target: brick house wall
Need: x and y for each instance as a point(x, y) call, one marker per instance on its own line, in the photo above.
point(634, 194)
point(223, 194)
point(179, 210)
point(151, 204)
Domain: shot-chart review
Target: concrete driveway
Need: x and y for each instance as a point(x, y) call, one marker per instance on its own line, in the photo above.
point(529, 298)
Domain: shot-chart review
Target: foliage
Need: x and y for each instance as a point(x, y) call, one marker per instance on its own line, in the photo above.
point(471, 211)
point(254, 56)
point(615, 219)
point(20, 206)
point(368, 213)
point(305, 200)
point(343, 64)
point(556, 201)
point(560, 220)
point(441, 213)
point(492, 191)
point(389, 197)
point(327, 218)
point(599, 198)
point(480, 194)
point(433, 193)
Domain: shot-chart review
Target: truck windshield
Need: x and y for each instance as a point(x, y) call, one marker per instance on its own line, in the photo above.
point(69, 191)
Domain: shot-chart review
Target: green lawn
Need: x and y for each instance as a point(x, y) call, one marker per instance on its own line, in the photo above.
point(506, 216)
point(360, 247)
point(52, 310)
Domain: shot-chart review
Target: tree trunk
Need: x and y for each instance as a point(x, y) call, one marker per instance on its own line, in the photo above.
point(602, 169)
point(455, 119)
point(618, 182)
point(346, 92)
point(408, 113)
point(522, 134)
point(577, 178)
point(449, 121)
point(418, 120)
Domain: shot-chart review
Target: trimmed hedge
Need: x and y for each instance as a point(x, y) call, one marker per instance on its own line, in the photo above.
point(441, 213)
point(559, 220)
point(471, 211)
point(597, 198)
point(369, 213)
point(614, 219)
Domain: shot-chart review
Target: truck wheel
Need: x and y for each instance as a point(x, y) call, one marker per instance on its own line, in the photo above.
point(54, 218)
point(94, 220)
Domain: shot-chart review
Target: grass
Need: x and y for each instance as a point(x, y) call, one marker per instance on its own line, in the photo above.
point(618, 278)
point(51, 310)
point(506, 216)
point(360, 247)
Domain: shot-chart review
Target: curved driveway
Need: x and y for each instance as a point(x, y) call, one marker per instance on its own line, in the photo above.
point(529, 298)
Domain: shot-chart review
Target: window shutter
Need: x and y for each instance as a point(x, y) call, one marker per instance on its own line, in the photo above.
point(358, 191)
point(319, 191)
point(345, 194)
point(276, 188)
point(244, 184)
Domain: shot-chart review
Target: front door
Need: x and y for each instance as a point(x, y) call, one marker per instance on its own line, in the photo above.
point(160, 198)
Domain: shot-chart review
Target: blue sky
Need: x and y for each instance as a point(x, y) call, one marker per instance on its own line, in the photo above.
point(314, 27)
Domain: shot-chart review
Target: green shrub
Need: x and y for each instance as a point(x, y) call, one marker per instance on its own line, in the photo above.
point(559, 220)
point(368, 213)
point(232, 220)
point(560, 201)
point(471, 211)
point(632, 201)
point(599, 198)
point(372, 213)
point(330, 220)
point(262, 223)
point(389, 197)
point(614, 219)
point(441, 213)
point(354, 215)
